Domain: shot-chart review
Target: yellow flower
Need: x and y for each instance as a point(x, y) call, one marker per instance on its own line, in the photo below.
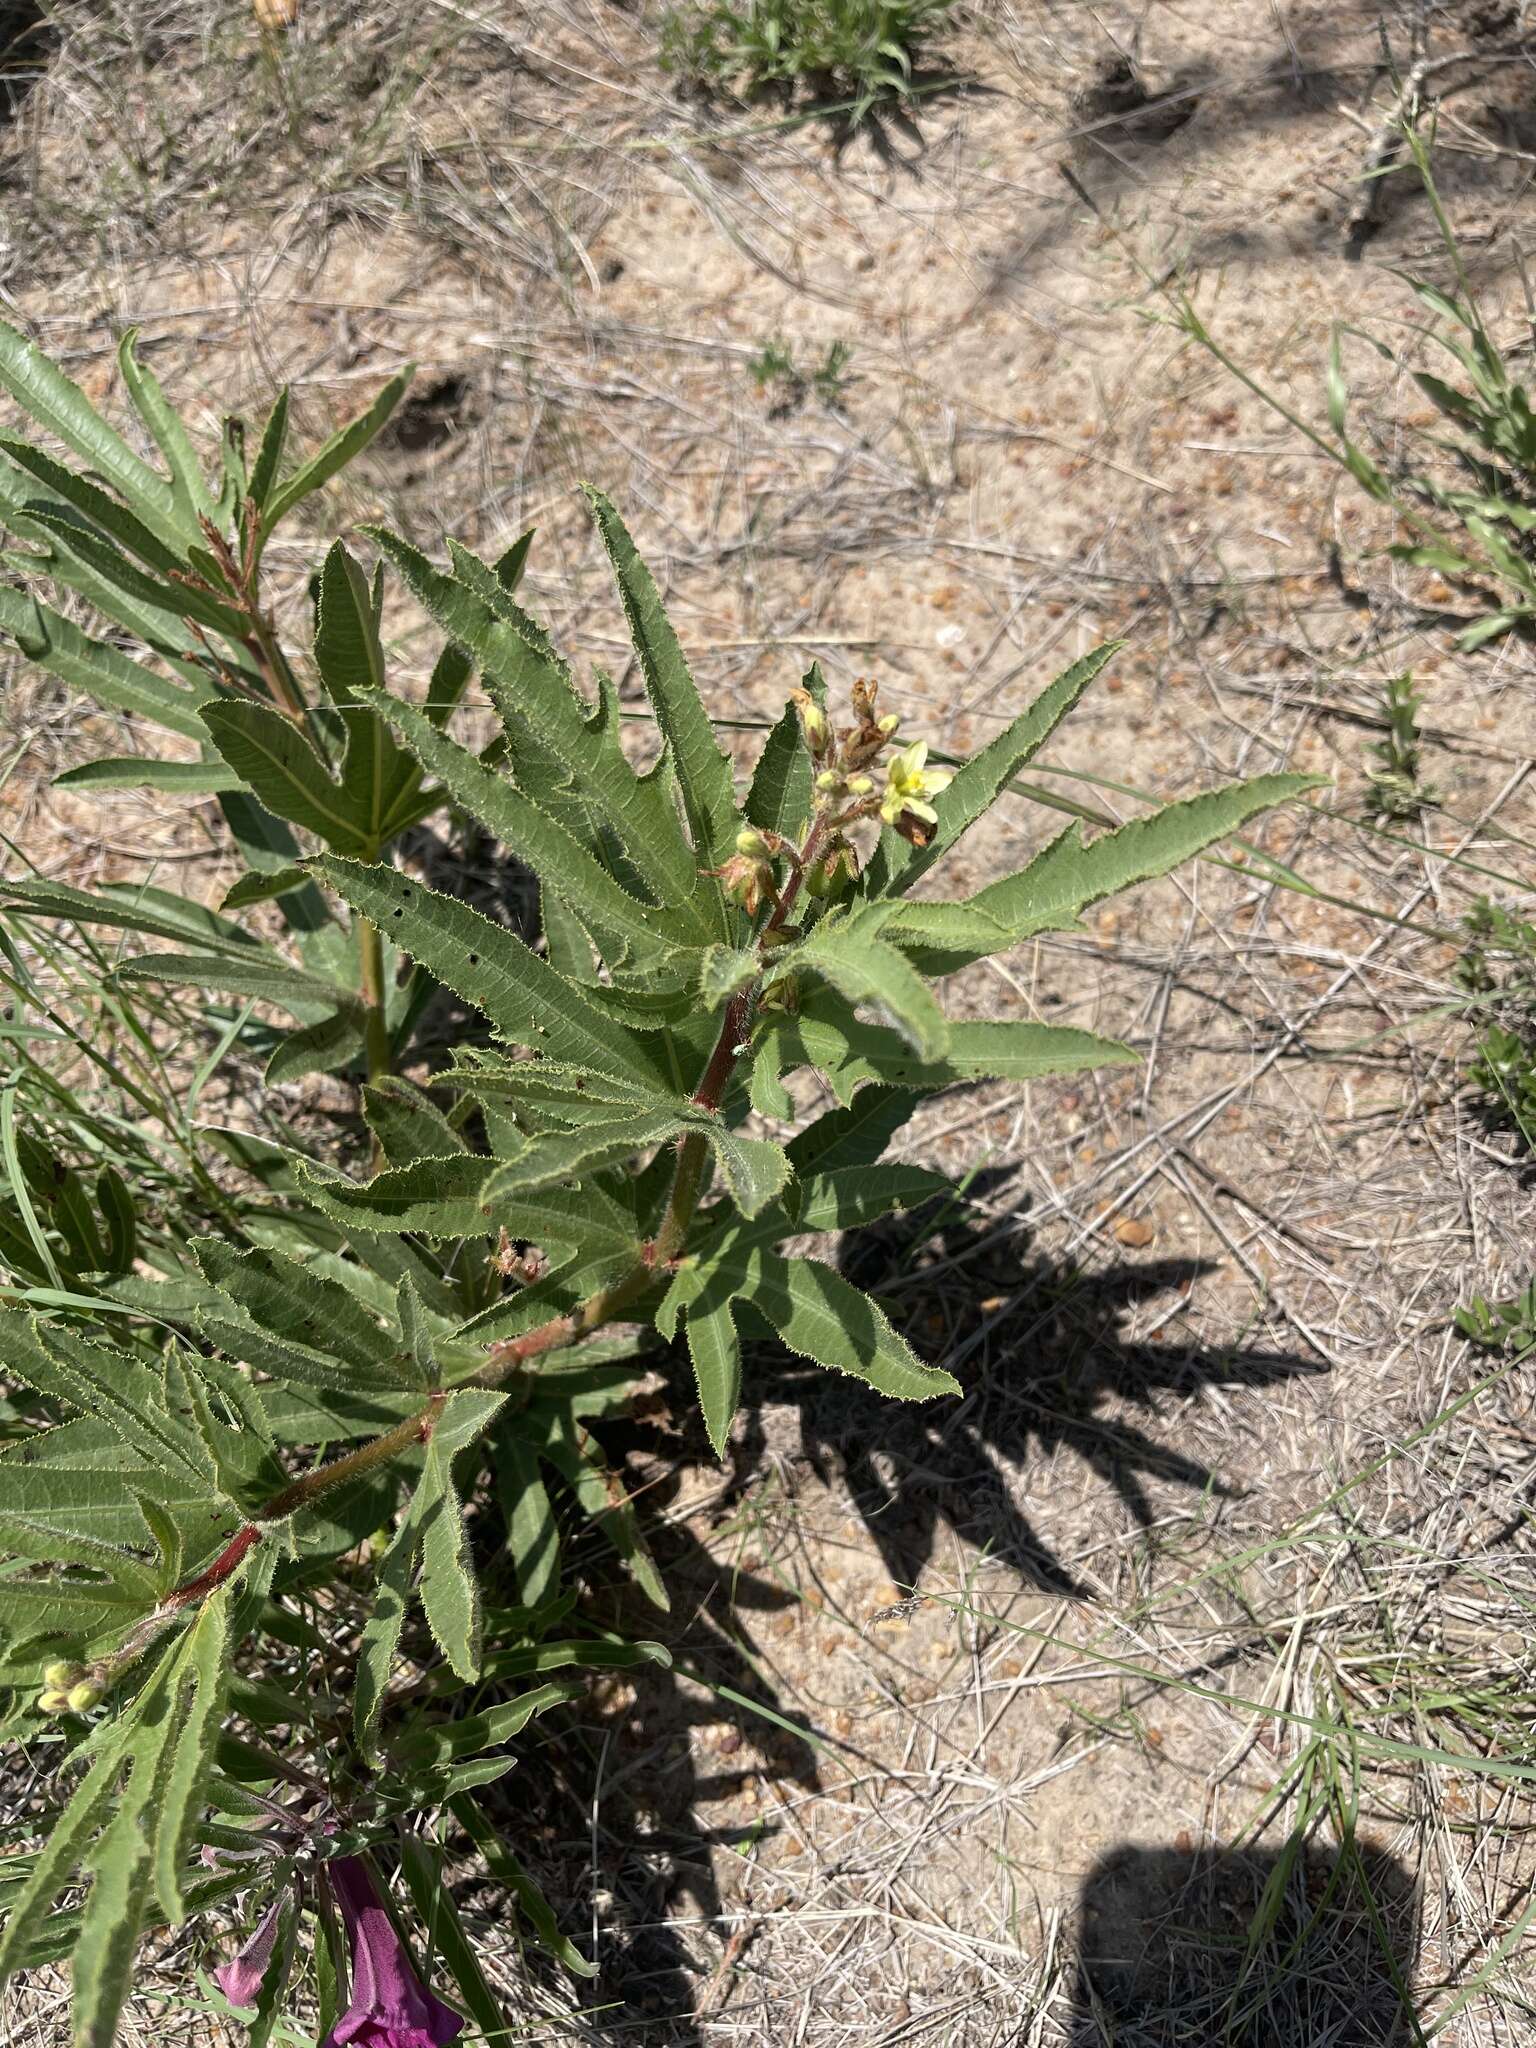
point(909, 785)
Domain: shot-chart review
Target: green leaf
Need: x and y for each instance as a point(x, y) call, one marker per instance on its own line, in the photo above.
point(257, 973)
point(268, 751)
point(379, 1643)
point(321, 1048)
point(348, 651)
point(446, 1741)
point(438, 1198)
point(755, 1170)
point(189, 491)
point(703, 770)
point(338, 451)
point(715, 1350)
point(856, 1136)
point(47, 396)
point(98, 670)
point(139, 771)
point(407, 1124)
point(56, 1860)
point(849, 955)
point(204, 1673)
point(560, 861)
point(133, 907)
point(261, 888)
point(509, 1873)
point(818, 1314)
point(723, 970)
point(298, 1305)
point(101, 1381)
point(546, 1161)
point(98, 506)
point(981, 780)
point(421, 1864)
point(455, 665)
point(780, 797)
point(557, 741)
point(1067, 875)
point(269, 453)
point(827, 1036)
point(526, 1001)
point(533, 1530)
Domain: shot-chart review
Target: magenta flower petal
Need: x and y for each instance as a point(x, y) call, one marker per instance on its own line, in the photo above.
point(240, 1979)
point(391, 2007)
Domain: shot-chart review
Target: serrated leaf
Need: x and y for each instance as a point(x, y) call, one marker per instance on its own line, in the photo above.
point(896, 865)
point(715, 1350)
point(348, 442)
point(556, 739)
point(703, 770)
point(98, 506)
point(1067, 875)
point(269, 452)
point(261, 888)
point(848, 954)
point(561, 861)
point(56, 1860)
point(268, 751)
point(322, 1048)
point(455, 665)
point(379, 1643)
point(856, 1136)
point(204, 1673)
point(294, 1302)
point(406, 1123)
point(826, 1035)
point(723, 970)
point(820, 1315)
point(100, 1381)
point(755, 1170)
point(559, 1156)
point(46, 1542)
point(779, 799)
point(527, 1002)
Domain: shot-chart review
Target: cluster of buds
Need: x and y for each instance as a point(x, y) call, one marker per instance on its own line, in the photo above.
point(69, 1689)
point(846, 790)
point(749, 873)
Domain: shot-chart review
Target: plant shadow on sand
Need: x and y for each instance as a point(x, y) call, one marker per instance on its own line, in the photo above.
point(622, 1795)
point(1239, 1948)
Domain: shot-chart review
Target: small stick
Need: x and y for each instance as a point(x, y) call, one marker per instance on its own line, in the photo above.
point(718, 1988)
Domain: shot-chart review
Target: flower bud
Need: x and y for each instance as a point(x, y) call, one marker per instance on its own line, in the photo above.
point(84, 1696)
point(889, 723)
point(860, 785)
point(61, 1676)
point(53, 1701)
point(826, 780)
point(752, 844)
point(813, 721)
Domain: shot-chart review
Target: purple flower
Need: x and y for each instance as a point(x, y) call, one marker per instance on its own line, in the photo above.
point(240, 1980)
point(391, 2007)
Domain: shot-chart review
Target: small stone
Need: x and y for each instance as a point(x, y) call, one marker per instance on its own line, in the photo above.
point(1130, 1230)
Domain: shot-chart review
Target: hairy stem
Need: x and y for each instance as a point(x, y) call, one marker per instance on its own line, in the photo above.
point(370, 955)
